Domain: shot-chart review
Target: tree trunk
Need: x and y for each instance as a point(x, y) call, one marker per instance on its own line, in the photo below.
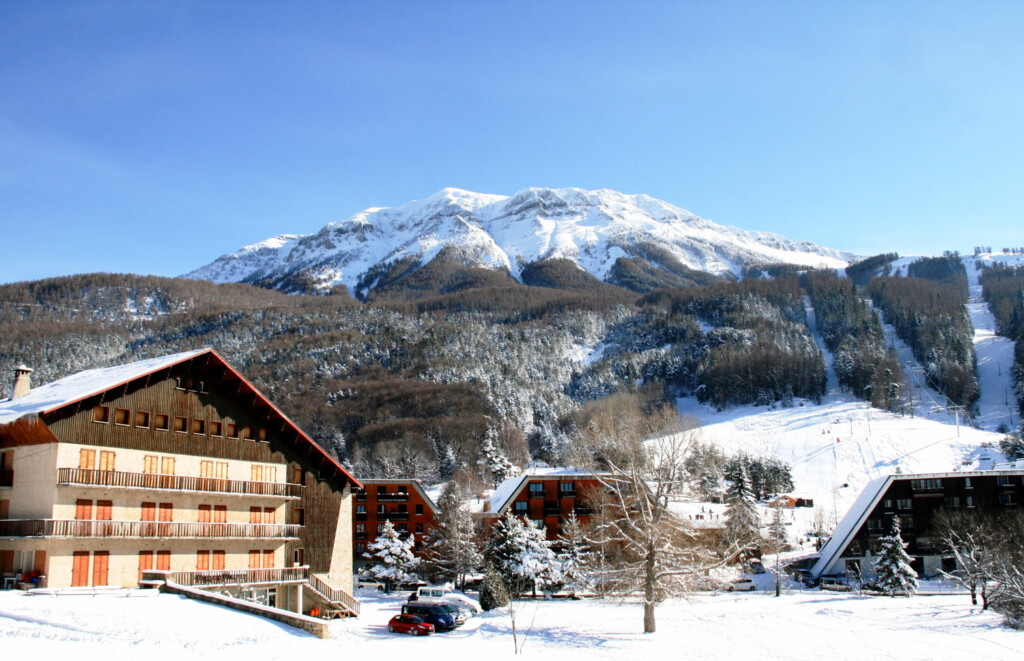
point(649, 579)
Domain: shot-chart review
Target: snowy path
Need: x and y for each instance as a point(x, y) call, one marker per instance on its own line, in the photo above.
point(995, 358)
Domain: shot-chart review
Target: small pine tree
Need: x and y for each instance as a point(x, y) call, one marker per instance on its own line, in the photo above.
point(575, 555)
point(497, 463)
point(492, 592)
point(895, 575)
point(507, 541)
point(742, 523)
point(394, 557)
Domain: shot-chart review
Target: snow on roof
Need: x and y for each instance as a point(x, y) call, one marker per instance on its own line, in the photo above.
point(84, 384)
point(854, 518)
point(507, 489)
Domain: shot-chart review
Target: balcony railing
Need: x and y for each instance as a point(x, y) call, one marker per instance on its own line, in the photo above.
point(392, 498)
point(222, 577)
point(144, 529)
point(88, 477)
point(395, 516)
point(6, 478)
point(334, 595)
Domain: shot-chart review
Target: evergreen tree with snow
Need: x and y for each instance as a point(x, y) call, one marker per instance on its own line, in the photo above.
point(574, 558)
point(536, 562)
point(895, 575)
point(393, 557)
point(451, 545)
point(497, 463)
point(521, 554)
point(742, 521)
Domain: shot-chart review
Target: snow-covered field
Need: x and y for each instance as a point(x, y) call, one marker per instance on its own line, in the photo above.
point(800, 625)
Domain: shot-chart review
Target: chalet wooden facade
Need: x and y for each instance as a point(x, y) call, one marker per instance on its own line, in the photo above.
point(403, 502)
point(544, 496)
point(177, 464)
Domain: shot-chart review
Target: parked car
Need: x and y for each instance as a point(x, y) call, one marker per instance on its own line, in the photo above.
point(756, 567)
point(459, 615)
point(434, 613)
point(411, 624)
point(834, 584)
point(370, 584)
point(741, 585)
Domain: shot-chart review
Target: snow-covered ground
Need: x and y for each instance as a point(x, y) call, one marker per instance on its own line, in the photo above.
point(995, 358)
point(799, 625)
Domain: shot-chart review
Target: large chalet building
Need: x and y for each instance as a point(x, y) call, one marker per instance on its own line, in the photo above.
point(544, 496)
point(402, 502)
point(916, 499)
point(178, 464)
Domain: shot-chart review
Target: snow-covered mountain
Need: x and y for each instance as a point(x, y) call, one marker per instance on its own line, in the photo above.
point(592, 228)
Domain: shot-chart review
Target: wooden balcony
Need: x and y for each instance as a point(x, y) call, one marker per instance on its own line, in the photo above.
point(145, 529)
point(392, 498)
point(150, 481)
point(225, 577)
point(7, 478)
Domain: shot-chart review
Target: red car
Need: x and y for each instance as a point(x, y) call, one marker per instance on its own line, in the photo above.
point(410, 624)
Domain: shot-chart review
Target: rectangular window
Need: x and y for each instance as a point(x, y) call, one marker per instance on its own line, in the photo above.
point(232, 431)
point(967, 483)
point(268, 559)
point(107, 460)
point(160, 421)
point(121, 416)
point(298, 476)
point(245, 433)
point(104, 510)
point(205, 468)
point(299, 516)
point(199, 427)
point(79, 569)
point(907, 522)
point(202, 560)
point(101, 414)
point(401, 527)
point(205, 513)
point(381, 510)
point(220, 513)
point(261, 434)
point(520, 507)
point(83, 510)
point(360, 547)
point(270, 474)
point(381, 491)
point(905, 503)
point(1004, 480)
point(222, 470)
point(402, 489)
point(87, 459)
point(142, 419)
point(419, 527)
point(419, 509)
point(255, 515)
point(148, 512)
point(299, 556)
point(218, 560)
point(380, 528)
point(163, 560)
point(150, 465)
point(536, 489)
point(1006, 499)
point(269, 515)
point(100, 567)
point(952, 501)
point(145, 562)
point(970, 501)
point(360, 509)
point(215, 428)
point(180, 424)
point(888, 503)
point(567, 489)
point(166, 511)
point(254, 559)
point(360, 528)
point(257, 473)
point(926, 485)
point(167, 465)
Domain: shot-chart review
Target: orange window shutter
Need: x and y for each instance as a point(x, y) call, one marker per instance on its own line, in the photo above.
point(202, 560)
point(163, 560)
point(145, 562)
point(218, 559)
point(222, 470)
point(257, 473)
point(86, 459)
point(204, 513)
point(220, 513)
point(100, 568)
point(149, 511)
point(167, 465)
point(166, 511)
point(106, 461)
point(270, 474)
point(205, 469)
point(255, 515)
point(149, 464)
point(268, 559)
point(269, 515)
point(83, 510)
point(79, 568)
point(104, 510)
point(254, 559)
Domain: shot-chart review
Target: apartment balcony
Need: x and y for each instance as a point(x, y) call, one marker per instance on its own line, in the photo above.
point(394, 516)
point(145, 529)
point(149, 481)
point(232, 577)
point(7, 478)
point(392, 498)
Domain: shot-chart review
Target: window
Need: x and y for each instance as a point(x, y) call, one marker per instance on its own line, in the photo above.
point(104, 510)
point(166, 511)
point(121, 416)
point(87, 459)
point(254, 559)
point(360, 509)
point(905, 503)
point(101, 414)
point(967, 483)
point(270, 474)
point(360, 547)
point(215, 428)
point(218, 560)
point(142, 419)
point(402, 489)
point(180, 424)
point(246, 433)
point(380, 528)
point(107, 460)
point(1006, 499)
point(205, 468)
point(222, 470)
point(402, 527)
point(298, 475)
point(299, 556)
point(167, 465)
point(163, 560)
point(255, 515)
point(926, 485)
point(145, 562)
point(888, 503)
point(360, 531)
point(80, 569)
point(874, 525)
point(381, 491)
point(299, 516)
point(148, 512)
point(520, 507)
point(567, 489)
point(83, 510)
point(268, 559)
point(970, 501)
point(204, 513)
point(149, 464)
point(419, 527)
point(1004, 480)
point(907, 522)
point(220, 513)
point(952, 501)
point(380, 510)
point(199, 427)
point(269, 515)
point(232, 431)
point(536, 489)
point(419, 510)
point(262, 435)
point(160, 421)
point(202, 560)
point(257, 473)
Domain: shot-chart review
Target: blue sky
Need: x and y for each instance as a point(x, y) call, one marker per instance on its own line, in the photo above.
point(153, 137)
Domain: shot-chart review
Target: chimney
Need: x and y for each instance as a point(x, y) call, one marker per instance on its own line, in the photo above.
point(22, 382)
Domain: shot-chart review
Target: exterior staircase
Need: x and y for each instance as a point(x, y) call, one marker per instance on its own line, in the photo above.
point(340, 602)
